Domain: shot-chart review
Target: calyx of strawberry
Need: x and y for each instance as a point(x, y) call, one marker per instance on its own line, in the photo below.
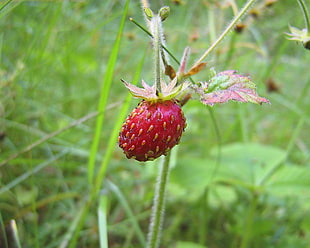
point(176, 88)
point(150, 93)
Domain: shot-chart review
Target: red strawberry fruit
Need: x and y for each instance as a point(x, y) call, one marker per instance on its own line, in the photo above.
point(156, 124)
point(152, 129)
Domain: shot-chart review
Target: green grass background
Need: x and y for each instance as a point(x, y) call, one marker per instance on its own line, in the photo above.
point(241, 175)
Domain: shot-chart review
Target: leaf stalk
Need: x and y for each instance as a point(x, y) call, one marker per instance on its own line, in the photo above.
point(237, 18)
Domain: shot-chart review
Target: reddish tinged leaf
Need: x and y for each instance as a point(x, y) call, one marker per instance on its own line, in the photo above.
point(228, 85)
point(235, 94)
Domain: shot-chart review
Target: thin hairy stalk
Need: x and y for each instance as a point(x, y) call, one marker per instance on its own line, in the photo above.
point(148, 33)
point(237, 18)
point(158, 205)
point(156, 30)
point(305, 12)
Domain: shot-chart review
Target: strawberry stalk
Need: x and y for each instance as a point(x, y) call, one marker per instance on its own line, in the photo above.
point(164, 49)
point(156, 26)
point(155, 226)
point(157, 216)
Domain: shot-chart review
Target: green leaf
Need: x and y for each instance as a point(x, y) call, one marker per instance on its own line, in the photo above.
point(290, 180)
point(219, 195)
point(190, 177)
point(228, 85)
point(248, 163)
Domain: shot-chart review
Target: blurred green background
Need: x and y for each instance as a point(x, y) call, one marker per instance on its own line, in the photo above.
point(241, 174)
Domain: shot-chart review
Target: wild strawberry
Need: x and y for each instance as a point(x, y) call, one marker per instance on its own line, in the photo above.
point(157, 123)
point(152, 129)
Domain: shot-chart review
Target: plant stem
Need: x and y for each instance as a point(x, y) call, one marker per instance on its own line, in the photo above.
point(158, 205)
point(149, 34)
point(305, 12)
point(156, 30)
point(237, 18)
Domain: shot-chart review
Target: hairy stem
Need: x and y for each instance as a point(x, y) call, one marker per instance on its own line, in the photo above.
point(158, 205)
point(162, 45)
point(156, 30)
point(237, 18)
point(305, 12)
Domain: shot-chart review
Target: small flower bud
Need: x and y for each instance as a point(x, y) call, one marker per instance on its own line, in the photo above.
point(149, 13)
point(164, 13)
